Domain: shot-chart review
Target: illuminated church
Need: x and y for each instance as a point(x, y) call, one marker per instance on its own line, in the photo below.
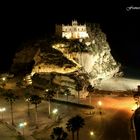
point(73, 31)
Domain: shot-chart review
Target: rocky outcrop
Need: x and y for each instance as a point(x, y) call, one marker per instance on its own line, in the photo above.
point(44, 59)
point(23, 61)
point(91, 56)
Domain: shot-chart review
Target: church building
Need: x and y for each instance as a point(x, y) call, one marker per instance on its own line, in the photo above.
point(73, 31)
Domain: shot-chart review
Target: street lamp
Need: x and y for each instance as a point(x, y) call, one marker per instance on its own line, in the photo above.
point(46, 90)
point(28, 103)
point(91, 133)
point(100, 104)
point(55, 112)
point(2, 110)
point(3, 79)
point(66, 96)
point(135, 106)
point(22, 125)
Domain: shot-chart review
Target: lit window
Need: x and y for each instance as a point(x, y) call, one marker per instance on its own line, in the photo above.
point(74, 29)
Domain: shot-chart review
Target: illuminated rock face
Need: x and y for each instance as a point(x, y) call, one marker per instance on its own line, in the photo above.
point(96, 60)
point(91, 54)
point(42, 68)
point(52, 60)
point(99, 66)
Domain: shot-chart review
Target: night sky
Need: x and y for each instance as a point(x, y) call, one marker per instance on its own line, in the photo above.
point(24, 21)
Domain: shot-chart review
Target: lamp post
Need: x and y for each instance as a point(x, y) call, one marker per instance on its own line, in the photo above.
point(3, 79)
point(55, 112)
point(66, 96)
point(22, 125)
point(92, 134)
point(100, 104)
point(28, 103)
point(2, 110)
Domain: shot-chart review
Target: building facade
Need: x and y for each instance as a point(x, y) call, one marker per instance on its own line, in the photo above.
point(73, 31)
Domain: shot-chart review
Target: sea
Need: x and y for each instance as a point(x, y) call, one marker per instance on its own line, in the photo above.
point(129, 81)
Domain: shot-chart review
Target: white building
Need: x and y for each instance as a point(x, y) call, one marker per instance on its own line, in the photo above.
point(73, 31)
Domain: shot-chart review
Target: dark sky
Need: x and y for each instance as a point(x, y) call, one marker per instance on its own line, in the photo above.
point(24, 21)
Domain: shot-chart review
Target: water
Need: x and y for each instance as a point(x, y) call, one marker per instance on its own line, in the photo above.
point(132, 72)
point(129, 81)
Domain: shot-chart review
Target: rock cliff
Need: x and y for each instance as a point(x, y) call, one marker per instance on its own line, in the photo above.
point(91, 56)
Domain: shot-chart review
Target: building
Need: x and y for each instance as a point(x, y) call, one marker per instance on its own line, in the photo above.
point(73, 31)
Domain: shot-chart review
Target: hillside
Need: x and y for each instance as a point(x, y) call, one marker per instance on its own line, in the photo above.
point(90, 56)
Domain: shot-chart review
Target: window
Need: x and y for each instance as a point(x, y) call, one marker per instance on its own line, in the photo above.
point(74, 29)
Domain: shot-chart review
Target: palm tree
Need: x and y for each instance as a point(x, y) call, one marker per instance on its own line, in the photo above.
point(27, 96)
point(67, 92)
point(78, 88)
point(35, 99)
point(90, 89)
point(70, 127)
point(74, 124)
point(11, 98)
point(58, 134)
point(48, 95)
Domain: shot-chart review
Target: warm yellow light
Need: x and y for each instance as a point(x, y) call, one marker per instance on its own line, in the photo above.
point(23, 124)
point(99, 103)
point(91, 133)
point(2, 109)
point(134, 107)
point(46, 90)
point(3, 78)
point(55, 111)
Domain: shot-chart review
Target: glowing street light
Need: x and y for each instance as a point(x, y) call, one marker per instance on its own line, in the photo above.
point(100, 104)
point(91, 133)
point(2, 110)
point(55, 111)
point(135, 106)
point(22, 125)
point(46, 90)
point(3, 79)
